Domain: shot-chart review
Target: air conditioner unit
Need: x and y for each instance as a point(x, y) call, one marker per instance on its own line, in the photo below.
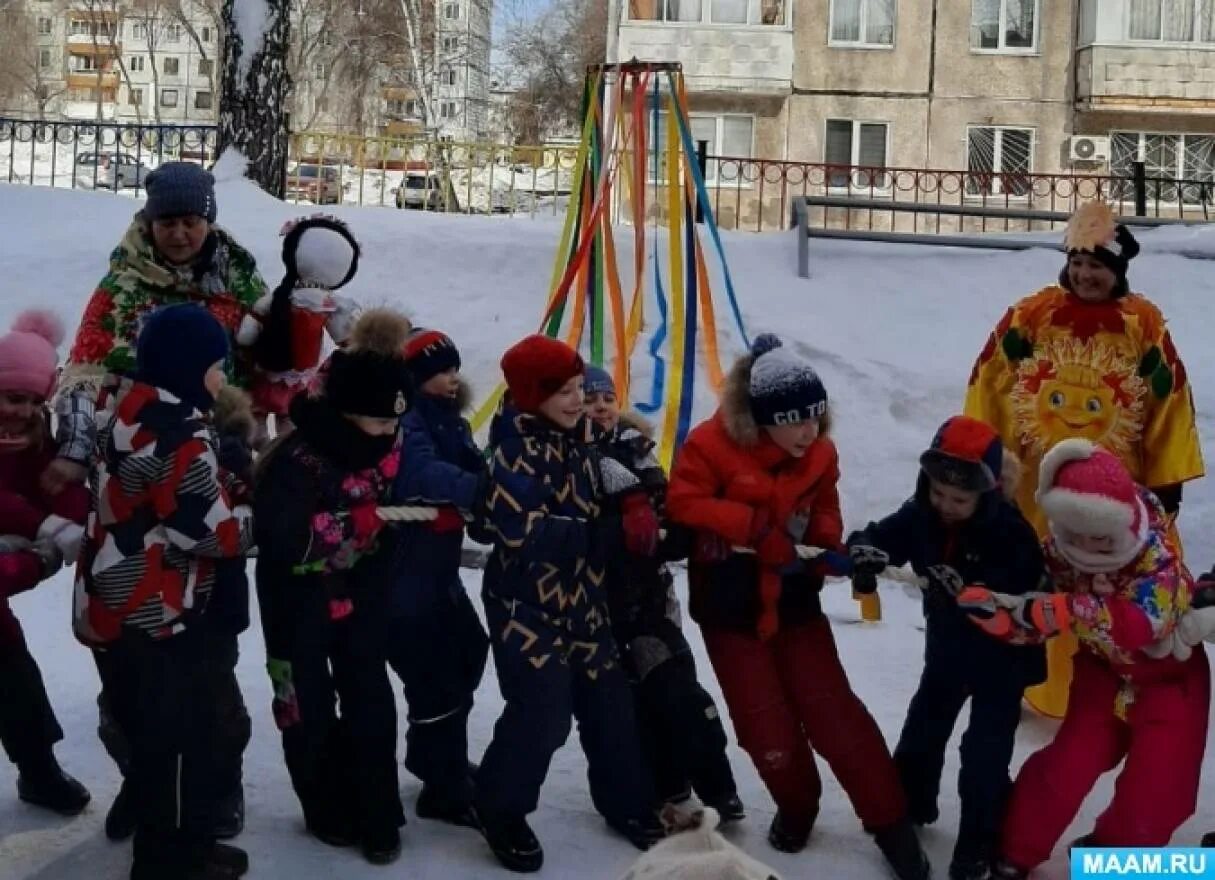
point(1088, 148)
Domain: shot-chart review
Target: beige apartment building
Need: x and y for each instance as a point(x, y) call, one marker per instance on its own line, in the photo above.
point(999, 86)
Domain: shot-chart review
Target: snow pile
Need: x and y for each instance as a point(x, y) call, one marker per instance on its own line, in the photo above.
point(891, 330)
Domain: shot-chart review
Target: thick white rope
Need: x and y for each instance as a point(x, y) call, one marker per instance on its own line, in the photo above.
point(407, 514)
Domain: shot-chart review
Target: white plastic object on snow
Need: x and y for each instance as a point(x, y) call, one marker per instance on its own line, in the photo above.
point(699, 853)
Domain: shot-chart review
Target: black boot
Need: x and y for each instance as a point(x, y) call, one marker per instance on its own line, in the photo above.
point(513, 843)
point(330, 827)
point(230, 816)
point(43, 784)
point(435, 804)
point(382, 847)
point(924, 815)
point(1208, 840)
point(730, 808)
point(786, 836)
point(120, 820)
point(643, 831)
point(221, 862)
point(903, 852)
point(1002, 870)
point(962, 868)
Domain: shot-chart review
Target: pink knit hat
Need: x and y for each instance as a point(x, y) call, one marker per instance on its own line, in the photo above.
point(28, 361)
point(1085, 490)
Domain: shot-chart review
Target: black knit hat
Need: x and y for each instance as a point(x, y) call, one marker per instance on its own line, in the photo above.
point(429, 353)
point(364, 383)
point(180, 189)
point(784, 388)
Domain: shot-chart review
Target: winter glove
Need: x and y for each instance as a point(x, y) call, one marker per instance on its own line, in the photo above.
point(366, 521)
point(286, 704)
point(1032, 617)
point(65, 534)
point(49, 555)
point(944, 579)
point(640, 524)
point(616, 478)
point(13, 543)
point(773, 546)
point(711, 548)
point(867, 563)
point(1198, 624)
point(447, 520)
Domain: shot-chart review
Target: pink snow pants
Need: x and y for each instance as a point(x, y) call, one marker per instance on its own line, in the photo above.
point(1162, 739)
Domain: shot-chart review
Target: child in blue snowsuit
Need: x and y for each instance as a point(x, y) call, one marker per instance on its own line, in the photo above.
point(960, 528)
point(547, 611)
point(439, 647)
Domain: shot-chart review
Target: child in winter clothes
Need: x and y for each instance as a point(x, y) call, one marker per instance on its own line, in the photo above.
point(1122, 588)
point(961, 528)
point(681, 730)
point(762, 474)
point(323, 585)
point(547, 612)
point(439, 646)
point(37, 532)
point(286, 328)
point(160, 519)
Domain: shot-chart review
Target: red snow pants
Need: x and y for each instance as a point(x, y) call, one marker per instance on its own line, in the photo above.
point(789, 698)
point(1162, 739)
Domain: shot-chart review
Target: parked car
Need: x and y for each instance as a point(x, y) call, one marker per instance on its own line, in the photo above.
point(318, 184)
point(422, 192)
point(111, 171)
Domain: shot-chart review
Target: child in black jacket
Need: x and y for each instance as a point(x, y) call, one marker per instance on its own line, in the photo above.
point(681, 730)
point(960, 529)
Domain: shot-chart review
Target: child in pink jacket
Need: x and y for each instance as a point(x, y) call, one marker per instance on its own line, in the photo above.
point(1122, 588)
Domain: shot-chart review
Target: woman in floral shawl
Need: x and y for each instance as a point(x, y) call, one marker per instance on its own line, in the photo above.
point(1087, 358)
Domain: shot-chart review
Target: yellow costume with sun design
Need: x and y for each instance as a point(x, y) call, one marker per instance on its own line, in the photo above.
point(1057, 367)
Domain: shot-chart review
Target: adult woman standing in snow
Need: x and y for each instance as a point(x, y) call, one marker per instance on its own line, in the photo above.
point(171, 253)
point(1086, 358)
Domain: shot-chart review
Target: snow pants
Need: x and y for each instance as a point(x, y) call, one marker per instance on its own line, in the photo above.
point(547, 676)
point(154, 690)
point(233, 729)
point(440, 657)
point(343, 766)
point(28, 727)
point(986, 750)
point(1162, 740)
point(789, 698)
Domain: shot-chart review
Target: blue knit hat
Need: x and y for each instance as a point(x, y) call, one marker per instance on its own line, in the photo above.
point(177, 346)
point(597, 380)
point(784, 388)
point(179, 189)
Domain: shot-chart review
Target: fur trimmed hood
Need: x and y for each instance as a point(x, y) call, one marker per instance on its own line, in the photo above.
point(380, 331)
point(233, 412)
point(637, 422)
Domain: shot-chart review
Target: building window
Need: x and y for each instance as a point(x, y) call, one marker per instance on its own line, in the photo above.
point(45, 27)
point(403, 108)
point(451, 11)
point(44, 59)
point(727, 135)
point(1004, 25)
point(320, 71)
point(135, 97)
point(43, 92)
point(451, 44)
point(135, 63)
point(168, 97)
point(206, 67)
point(851, 144)
point(1172, 21)
point(139, 31)
point(1166, 158)
point(862, 23)
point(173, 33)
point(171, 66)
point(999, 161)
point(202, 100)
point(741, 12)
point(82, 63)
point(448, 76)
point(321, 105)
point(204, 34)
point(447, 110)
point(82, 27)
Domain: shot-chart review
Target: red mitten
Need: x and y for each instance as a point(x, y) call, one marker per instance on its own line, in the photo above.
point(366, 521)
point(773, 545)
point(448, 520)
point(711, 548)
point(640, 524)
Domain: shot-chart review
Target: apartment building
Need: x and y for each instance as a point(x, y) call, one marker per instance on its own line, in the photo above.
point(462, 52)
point(1000, 86)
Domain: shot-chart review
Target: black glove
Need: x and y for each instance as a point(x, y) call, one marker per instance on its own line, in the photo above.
point(1204, 596)
point(867, 563)
point(945, 580)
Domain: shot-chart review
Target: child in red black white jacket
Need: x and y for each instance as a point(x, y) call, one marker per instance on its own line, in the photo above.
point(37, 533)
point(1121, 586)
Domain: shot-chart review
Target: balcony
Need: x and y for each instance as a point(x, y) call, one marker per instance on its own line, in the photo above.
point(728, 47)
point(88, 79)
point(1149, 78)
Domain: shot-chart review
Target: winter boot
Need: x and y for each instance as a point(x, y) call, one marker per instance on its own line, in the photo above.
point(120, 820)
point(221, 862)
point(962, 868)
point(330, 828)
point(513, 843)
point(643, 831)
point(903, 852)
point(924, 815)
point(1002, 870)
point(43, 783)
point(787, 836)
point(435, 804)
point(1208, 840)
point(729, 808)
point(230, 816)
point(383, 846)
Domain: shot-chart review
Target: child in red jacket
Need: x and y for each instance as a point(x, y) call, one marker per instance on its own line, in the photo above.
point(1123, 589)
point(38, 532)
point(761, 474)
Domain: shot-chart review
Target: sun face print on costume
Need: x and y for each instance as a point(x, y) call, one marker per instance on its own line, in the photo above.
point(1079, 388)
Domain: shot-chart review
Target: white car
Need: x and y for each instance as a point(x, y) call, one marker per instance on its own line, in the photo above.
point(111, 171)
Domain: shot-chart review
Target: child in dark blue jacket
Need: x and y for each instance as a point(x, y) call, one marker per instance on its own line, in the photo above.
point(439, 647)
point(960, 529)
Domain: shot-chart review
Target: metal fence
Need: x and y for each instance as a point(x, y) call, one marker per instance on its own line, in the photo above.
point(745, 193)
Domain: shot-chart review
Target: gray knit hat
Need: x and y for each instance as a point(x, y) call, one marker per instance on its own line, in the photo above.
point(178, 189)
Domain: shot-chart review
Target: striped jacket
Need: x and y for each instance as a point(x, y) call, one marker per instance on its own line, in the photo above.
point(158, 522)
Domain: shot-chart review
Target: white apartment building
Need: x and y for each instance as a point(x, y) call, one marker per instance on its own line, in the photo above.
point(461, 52)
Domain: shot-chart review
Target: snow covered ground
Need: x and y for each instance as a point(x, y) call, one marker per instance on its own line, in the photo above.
point(893, 330)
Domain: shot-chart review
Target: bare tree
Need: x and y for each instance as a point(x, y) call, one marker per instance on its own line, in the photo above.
point(25, 82)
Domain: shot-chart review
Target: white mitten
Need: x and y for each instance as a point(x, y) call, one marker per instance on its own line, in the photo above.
point(1198, 625)
point(346, 312)
point(66, 535)
point(14, 543)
